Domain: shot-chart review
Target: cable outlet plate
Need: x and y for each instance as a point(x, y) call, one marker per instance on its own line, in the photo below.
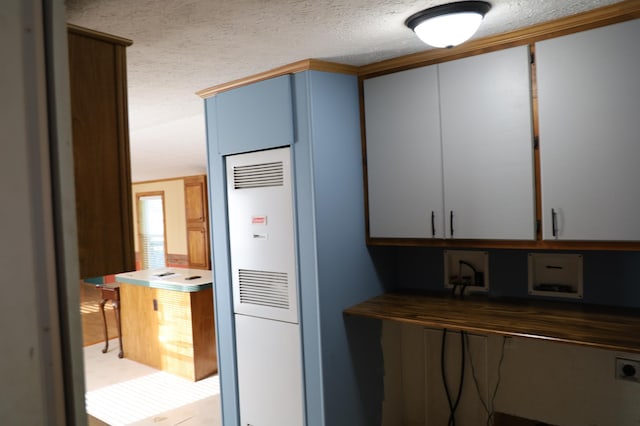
point(628, 370)
point(453, 270)
point(555, 275)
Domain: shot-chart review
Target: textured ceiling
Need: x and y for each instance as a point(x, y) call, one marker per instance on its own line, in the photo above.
point(182, 46)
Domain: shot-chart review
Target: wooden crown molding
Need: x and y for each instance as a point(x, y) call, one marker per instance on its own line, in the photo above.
point(607, 15)
point(99, 35)
point(144, 182)
point(623, 11)
point(304, 65)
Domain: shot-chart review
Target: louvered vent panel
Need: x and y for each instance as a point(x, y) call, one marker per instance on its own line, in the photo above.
point(264, 288)
point(258, 175)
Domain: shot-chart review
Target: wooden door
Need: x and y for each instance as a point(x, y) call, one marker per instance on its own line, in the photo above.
point(196, 211)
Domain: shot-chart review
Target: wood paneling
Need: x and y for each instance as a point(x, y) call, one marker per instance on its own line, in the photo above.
point(169, 330)
point(97, 68)
point(194, 195)
point(204, 338)
point(198, 248)
point(197, 217)
point(139, 325)
point(586, 325)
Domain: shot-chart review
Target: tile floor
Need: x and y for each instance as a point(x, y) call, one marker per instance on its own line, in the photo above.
point(124, 392)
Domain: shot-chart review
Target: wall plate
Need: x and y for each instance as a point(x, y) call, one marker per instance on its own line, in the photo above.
point(454, 271)
point(628, 369)
point(555, 275)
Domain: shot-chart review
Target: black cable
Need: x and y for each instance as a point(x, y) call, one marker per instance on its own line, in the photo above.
point(495, 390)
point(444, 377)
point(470, 266)
point(453, 290)
point(452, 418)
point(464, 287)
point(453, 406)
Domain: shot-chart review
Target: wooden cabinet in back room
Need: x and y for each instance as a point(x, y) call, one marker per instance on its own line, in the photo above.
point(197, 215)
point(97, 68)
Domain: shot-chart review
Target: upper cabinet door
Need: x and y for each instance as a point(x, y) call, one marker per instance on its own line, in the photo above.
point(589, 111)
point(404, 158)
point(254, 117)
point(487, 139)
point(98, 89)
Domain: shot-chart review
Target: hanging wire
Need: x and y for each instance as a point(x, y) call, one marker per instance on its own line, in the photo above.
point(453, 405)
point(489, 405)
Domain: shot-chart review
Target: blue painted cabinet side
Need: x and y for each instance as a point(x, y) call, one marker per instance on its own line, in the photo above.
point(342, 356)
point(307, 255)
point(352, 358)
point(248, 118)
point(258, 116)
point(223, 293)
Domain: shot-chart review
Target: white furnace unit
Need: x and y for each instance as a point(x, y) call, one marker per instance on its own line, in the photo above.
point(265, 288)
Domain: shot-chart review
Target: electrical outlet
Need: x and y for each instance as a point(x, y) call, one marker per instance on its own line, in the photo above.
point(628, 369)
point(469, 268)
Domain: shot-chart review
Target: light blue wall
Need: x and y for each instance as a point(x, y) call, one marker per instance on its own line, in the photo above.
point(254, 117)
point(342, 356)
point(351, 357)
point(223, 294)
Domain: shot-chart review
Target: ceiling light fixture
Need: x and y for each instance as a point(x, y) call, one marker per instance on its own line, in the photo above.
point(449, 24)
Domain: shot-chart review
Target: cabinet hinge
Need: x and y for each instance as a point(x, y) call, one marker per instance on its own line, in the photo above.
point(538, 225)
point(536, 142)
point(532, 58)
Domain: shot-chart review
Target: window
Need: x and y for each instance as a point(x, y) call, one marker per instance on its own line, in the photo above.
point(151, 230)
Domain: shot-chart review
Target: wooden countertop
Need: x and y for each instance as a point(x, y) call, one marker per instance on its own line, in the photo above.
point(587, 325)
point(175, 279)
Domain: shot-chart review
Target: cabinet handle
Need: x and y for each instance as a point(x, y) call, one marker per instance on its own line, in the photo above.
point(554, 224)
point(433, 224)
point(451, 222)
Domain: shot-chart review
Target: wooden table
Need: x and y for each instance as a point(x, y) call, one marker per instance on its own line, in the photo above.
point(587, 325)
point(111, 292)
point(167, 320)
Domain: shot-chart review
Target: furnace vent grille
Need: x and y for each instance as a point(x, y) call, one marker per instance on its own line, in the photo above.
point(264, 288)
point(258, 175)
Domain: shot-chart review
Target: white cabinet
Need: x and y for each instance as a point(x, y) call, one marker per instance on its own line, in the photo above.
point(487, 142)
point(404, 155)
point(589, 112)
point(452, 140)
